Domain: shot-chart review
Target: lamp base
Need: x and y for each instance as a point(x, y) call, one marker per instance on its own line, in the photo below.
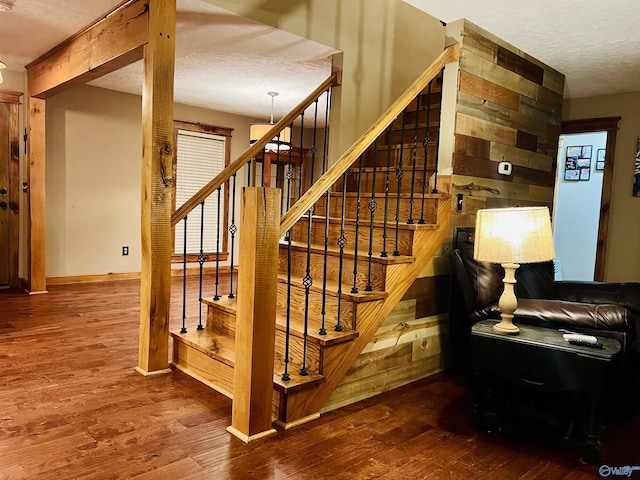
point(506, 328)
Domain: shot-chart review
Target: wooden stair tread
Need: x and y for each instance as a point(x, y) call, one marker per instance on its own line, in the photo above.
point(332, 289)
point(376, 223)
point(297, 381)
point(367, 195)
point(349, 254)
point(211, 344)
point(296, 327)
point(224, 303)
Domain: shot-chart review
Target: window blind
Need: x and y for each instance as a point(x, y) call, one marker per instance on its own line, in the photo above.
point(200, 157)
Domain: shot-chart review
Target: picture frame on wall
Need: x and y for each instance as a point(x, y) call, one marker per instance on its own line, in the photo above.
point(577, 164)
point(572, 175)
point(585, 173)
point(600, 156)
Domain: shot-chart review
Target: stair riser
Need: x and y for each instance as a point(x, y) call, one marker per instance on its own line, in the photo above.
point(335, 209)
point(397, 137)
point(380, 185)
point(300, 231)
point(221, 322)
point(348, 307)
point(296, 347)
point(316, 267)
point(200, 366)
point(381, 154)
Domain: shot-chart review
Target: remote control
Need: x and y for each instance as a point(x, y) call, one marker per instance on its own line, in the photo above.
point(585, 343)
point(583, 340)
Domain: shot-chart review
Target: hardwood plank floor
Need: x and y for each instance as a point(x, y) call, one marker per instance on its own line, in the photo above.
point(71, 407)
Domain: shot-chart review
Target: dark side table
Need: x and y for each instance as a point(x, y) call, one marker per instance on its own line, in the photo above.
point(537, 385)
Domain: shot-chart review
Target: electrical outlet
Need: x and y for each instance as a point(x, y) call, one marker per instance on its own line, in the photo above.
point(125, 251)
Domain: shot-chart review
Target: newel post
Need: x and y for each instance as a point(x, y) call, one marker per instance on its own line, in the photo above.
point(256, 314)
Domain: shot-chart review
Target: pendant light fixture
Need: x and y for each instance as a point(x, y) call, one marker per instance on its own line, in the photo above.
point(279, 142)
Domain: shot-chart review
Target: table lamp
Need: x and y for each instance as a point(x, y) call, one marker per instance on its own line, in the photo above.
point(511, 236)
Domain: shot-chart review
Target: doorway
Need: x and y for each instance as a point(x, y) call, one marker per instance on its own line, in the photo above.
point(9, 189)
point(609, 127)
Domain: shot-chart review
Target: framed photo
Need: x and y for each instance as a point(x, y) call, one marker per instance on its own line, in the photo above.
point(571, 175)
point(577, 165)
point(600, 155)
point(585, 173)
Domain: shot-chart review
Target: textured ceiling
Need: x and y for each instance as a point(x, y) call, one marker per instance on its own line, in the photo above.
point(594, 43)
point(228, 63)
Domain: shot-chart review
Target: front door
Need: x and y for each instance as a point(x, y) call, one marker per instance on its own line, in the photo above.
point(5, 156)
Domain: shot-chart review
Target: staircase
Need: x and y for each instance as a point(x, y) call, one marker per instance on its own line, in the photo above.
point(343, 264)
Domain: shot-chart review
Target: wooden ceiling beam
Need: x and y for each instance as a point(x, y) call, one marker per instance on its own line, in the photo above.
point(111, 42)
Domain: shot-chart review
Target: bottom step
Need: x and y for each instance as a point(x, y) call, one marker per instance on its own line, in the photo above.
point(206, 357)
point(210, 359)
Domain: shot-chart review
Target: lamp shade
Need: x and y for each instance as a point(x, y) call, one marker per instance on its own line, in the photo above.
point(513, 235)
point(258, 130)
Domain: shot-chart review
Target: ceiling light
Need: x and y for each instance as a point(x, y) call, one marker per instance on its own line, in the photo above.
point(6, 5)
point(279, 142)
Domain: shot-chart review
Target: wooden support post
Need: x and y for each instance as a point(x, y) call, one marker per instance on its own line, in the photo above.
point(157, 188)
point(36, 197)
point(256, 314)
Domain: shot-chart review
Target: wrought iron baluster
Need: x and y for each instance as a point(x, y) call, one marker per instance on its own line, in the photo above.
point(327, 210)
point(233, 229)
point(285, 376)
point(307, 282)
point(414, 159)
point(426, 143)
point(399, 175)
point(184, 280)
point(314, 148)
point(373, 205)
point(326, 133)
point(354, 289)
point(384, 254)
point(323, 330)
point(301, 146)
point(342, 242)
point(289, 176)
point(277, 185)
point(216, 296)
point(435, 170)
point(201, 259)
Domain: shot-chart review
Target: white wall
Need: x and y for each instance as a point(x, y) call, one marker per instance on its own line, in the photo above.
point(94, 152)
point(577, 211)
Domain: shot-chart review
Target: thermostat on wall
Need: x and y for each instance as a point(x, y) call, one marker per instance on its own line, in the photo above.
point(504, 168)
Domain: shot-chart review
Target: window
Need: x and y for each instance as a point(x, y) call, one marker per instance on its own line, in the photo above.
point(201, 153)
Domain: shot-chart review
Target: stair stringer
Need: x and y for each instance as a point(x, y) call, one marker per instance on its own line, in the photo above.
point(339, 359)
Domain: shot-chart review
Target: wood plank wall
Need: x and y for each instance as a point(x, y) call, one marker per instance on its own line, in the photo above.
point(508, 108)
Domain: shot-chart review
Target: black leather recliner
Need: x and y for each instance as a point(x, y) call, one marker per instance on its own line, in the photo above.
point(595, 308)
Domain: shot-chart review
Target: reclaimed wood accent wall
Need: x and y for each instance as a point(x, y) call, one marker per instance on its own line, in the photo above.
point(508, 109)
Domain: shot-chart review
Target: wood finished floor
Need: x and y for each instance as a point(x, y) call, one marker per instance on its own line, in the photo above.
point(71, 407)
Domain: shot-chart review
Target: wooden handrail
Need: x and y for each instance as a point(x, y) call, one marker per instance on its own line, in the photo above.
point(333, 173)
point(252, 151)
